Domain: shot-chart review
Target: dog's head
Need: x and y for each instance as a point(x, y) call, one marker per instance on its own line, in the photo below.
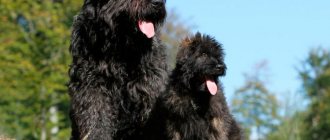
point(143, 16)
point(200, 59)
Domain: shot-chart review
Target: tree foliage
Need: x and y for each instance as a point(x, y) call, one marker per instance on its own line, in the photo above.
point(33, 67)
point(290, 128)
point(315, 76)
point(311, 123)
point(254, 105)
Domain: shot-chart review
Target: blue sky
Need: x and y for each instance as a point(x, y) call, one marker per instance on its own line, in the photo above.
point(280, 32)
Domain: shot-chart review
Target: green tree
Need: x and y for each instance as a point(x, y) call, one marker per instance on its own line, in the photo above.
point(254, 105)
point(291, 120)
point(312, 123)
point(315, 76)
point(34, 59)
point(290, 128)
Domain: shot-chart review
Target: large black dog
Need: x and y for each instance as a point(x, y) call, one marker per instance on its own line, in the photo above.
point(118, 67)
point(194, 106)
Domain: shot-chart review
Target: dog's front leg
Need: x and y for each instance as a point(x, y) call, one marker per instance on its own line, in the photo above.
point(91, 116)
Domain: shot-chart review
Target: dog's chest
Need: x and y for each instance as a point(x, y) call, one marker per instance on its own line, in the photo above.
point(201, 129)
point(199, 124)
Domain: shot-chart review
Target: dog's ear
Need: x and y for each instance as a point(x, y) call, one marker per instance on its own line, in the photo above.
point(186, 42)
point(198, 36)
point(182, 54)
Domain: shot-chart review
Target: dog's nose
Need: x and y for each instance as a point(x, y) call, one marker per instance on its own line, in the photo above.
point(221, 69)
point(219, 66)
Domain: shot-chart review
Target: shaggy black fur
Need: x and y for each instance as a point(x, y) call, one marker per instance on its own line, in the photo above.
point(188, 111)
point(117, 71)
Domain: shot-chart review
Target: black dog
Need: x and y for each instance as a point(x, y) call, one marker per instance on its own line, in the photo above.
point(118, 67)
point(194, 106)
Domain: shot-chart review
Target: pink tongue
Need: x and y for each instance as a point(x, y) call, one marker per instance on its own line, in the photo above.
point(147, 28)
point(211, 86)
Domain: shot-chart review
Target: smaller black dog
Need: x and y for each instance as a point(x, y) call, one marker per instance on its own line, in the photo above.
point(194, 106)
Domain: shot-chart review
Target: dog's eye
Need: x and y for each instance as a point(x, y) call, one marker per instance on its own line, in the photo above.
point(204, 54)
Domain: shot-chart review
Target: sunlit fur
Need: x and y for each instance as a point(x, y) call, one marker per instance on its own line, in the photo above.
point(116, 72)
point(187, 111)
